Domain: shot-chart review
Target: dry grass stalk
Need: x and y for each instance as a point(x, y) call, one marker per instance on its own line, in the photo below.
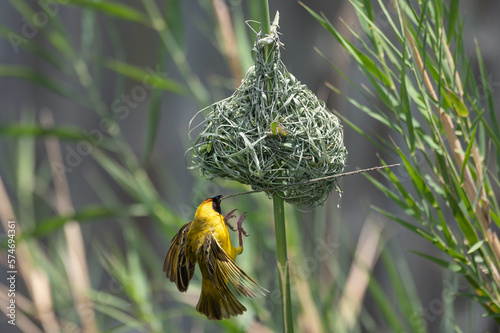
point(309, 320)
point(24, 305)
point(76, 261)
point(366, 255)
point(226, 30)
point(36, 279)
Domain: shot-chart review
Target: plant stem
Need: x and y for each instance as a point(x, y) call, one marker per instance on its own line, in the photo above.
point(265, 21)
point(283, 268)
point(279, 211)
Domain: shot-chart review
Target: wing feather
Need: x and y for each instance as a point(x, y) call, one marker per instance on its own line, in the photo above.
point(224, 272)
point(177, 266)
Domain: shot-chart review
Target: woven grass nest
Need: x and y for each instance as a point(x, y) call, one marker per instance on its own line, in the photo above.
point(272, 131)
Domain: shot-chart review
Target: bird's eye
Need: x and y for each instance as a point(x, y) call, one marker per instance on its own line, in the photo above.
point(216, 206)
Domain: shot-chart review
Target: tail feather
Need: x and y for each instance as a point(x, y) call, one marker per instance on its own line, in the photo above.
point(216, 306)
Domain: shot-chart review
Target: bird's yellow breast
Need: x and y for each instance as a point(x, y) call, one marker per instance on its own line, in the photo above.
point(207, 220)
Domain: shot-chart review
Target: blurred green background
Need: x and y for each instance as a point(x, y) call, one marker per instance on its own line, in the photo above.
point(96, 101)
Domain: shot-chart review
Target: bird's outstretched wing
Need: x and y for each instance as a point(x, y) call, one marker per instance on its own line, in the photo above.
point(177, 266)
point(224, 272)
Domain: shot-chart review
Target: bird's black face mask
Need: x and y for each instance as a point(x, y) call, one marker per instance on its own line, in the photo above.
point(216, 204)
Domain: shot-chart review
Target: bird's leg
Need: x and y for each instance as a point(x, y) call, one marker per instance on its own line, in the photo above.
point(240, 228)
point(228, 216)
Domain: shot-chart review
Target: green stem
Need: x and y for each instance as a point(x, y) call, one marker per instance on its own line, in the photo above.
point(279, 211)
point(283, 267)
point(265, 21)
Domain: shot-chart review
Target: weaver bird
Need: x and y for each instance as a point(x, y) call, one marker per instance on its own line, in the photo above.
point(206, 241)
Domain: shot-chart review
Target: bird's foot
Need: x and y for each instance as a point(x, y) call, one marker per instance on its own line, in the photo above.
point(241, 231)
point(229, 216)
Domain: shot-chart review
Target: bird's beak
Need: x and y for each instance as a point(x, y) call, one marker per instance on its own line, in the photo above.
point(217, 199)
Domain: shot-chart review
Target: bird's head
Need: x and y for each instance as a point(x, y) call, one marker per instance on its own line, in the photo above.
point(209, 207)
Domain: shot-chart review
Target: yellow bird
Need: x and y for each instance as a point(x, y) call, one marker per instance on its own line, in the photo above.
point(206, 241)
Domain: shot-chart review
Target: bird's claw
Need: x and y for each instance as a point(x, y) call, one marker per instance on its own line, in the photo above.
point(229, 216)
point(241, 231)
point(240, 224)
